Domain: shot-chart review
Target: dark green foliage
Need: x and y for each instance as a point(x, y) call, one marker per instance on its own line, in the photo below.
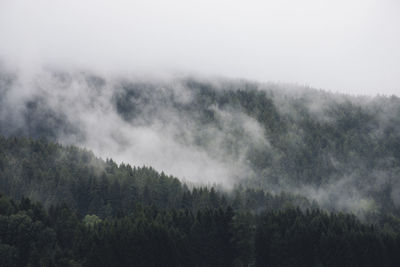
point(52, 174)
point(32, 236)
point(315, 238)
point(146, 237)
point(98, 213)
point(313, 139)
point(317, 139)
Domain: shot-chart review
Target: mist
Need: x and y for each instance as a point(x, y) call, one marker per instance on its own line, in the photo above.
point(341, 46)
point(337, 149)
point(215, 92)
point(104, 115)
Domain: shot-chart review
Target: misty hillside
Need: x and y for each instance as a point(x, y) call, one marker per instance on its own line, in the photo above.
point(266, 174)
point(52, 174)
point(90, 212)
point(342, 151)
point(199, 133)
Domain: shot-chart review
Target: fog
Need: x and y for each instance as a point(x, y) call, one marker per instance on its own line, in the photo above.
point(345, 46)
point(337, 149)
point(106, 116)
point(114, 77)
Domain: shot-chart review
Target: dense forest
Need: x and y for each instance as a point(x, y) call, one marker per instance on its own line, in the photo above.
point(197, 172)
point(342, 151)
point(90, 212)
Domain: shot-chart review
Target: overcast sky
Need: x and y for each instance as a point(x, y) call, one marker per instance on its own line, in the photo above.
point(350, 46)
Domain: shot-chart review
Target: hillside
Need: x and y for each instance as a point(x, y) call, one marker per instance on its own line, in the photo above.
point(92, 212)
point(342, 151)
point(52, 175)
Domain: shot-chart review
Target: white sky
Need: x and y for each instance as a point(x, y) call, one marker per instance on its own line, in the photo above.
point(350, 46)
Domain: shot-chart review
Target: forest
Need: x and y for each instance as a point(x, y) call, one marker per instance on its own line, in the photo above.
point(90, 212)
point(119, 172)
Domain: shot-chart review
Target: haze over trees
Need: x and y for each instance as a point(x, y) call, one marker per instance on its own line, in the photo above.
point(200, 172)
point(342, 151)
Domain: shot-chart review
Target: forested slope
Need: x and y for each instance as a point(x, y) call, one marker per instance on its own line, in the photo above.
point(32, 236)
point(51, 174)
point(342, 151)
point(257, 174)
point(92, 212)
